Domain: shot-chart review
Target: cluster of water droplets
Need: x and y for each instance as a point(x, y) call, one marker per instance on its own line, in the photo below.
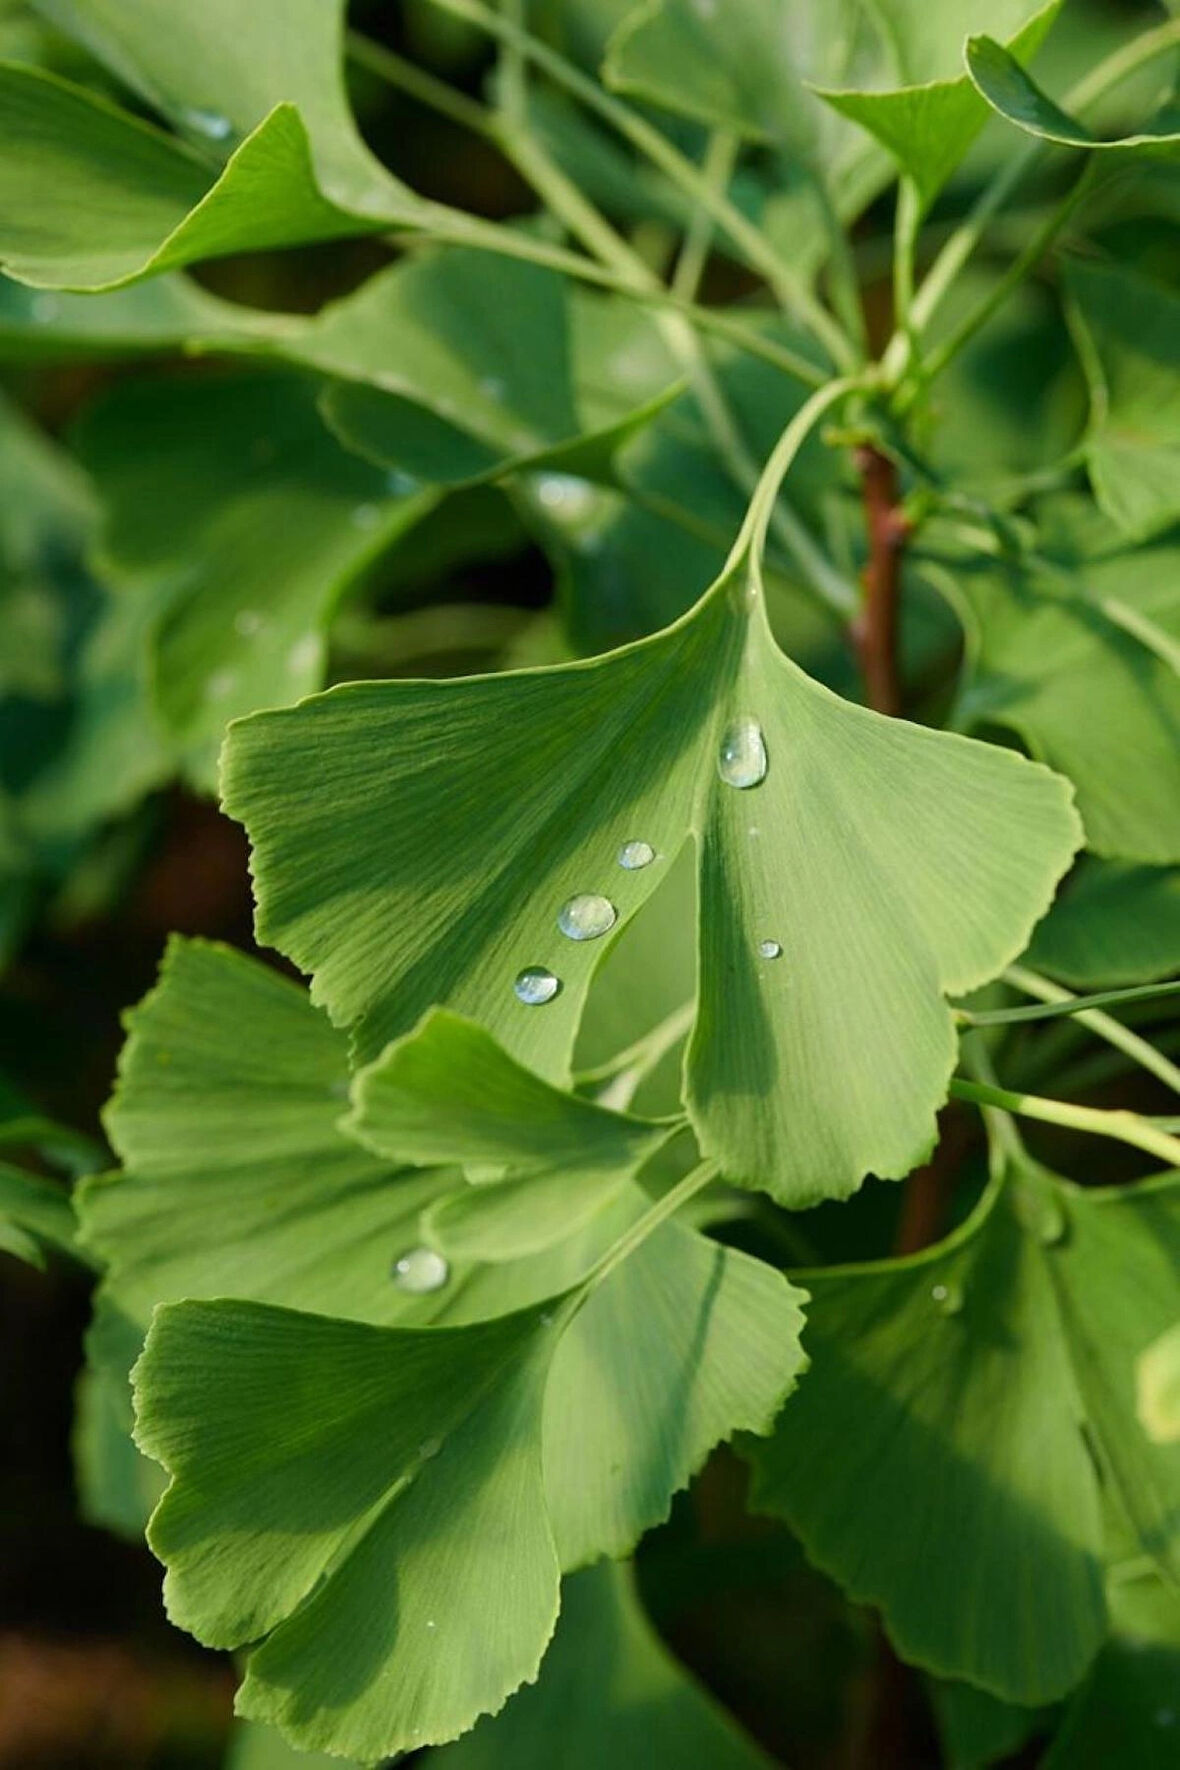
point(419, 1271)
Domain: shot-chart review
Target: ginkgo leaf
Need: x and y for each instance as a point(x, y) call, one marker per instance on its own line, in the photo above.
point(609, 1692)
point(931, 116)
point(227, 500)
point(1127, 1711)
point(254, 1747)
point(1011, 91)
point(421, 843)
point(976, 1730)
point(372, 1505)
point(1159, 1388)
point(35, 1216)
point(994, 1375)
point(1112, 924)
point(298, 170)
point(449, 1095)
point(1131, 329)
point(1063, 652)
point(161, 315)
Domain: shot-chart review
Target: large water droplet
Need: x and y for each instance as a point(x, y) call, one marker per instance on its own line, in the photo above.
point(586, 916)
point(949, 1297)
point(769, 949)
point(534, 986)
point(633, 855)
point(741, 760)
point(419, 1270)
point(211, 124)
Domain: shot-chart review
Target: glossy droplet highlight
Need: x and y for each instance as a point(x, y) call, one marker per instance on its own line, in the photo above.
point(741, 760)
point(633, 855)
point(534, 986)
point(586, 916)
point(949, 1298)
point(565, 494)
point(248, 622)
point(420, 1270)
point(366, 516)
point(213, 125)
point(769, 949)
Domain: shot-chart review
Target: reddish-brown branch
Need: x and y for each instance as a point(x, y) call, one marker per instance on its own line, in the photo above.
point(875, 630)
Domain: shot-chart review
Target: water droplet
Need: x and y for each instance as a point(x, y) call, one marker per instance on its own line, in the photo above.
point(366, 516)
point(419, 1270)
point(949, 1298)
point(220, 684)
point(769, 949)
point(633, 855)
point(399, 484)
point(304, 655)
point(754, 832)
point(535, 986)
point(214, 125)
point(546, 1321)
point(44, 307)
point(247, 622)
point(741, 761)
point(586, 916)
point(1165, 1717)
point(565, 494)
point(493, 387)
point(432, 1624)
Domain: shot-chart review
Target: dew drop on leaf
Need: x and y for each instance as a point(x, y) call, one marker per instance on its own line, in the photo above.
point(420, 1270)
point(586, 916)
point(248, 622)
point(633, 855)
point(769, 949)
point(211, 124)
point(534, 986)
point(565, 494)
point(949, 1298)
point(741, 760)
point(366, 516)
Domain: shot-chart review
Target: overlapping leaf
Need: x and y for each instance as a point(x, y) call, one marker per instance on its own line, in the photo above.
point(1011, 91)
point(1077, 656)
point(544, 1162)
point(1112, 924)
point(610, 1692)
point(1131, 333)
point(398, 1542)
point(414, 843)
point(269, 86)
point(1127, 1709)
point(994, 1375)
point(931, 115)
point(238, 520)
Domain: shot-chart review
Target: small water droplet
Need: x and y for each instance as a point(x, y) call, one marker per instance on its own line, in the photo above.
point(1165, 1717)
point(493, 386)
point(399, 484)
point(220, 684)
point(633, 855)
point(432, 1624)
point(304, 655)
point(586, 916)
point(949, 1298)
point(248, 622)
point(754, 832)
point(741, 760)
point(366, 516)
point(535, 986)
point(419, 1270)
point(769, 949)
point(546, 1321)
point(214, 125)
point(44, 307)
point(565, 494)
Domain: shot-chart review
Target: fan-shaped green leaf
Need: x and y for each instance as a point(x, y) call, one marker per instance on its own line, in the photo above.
point(1008, 89)
point(161, 315)
point(1131, 331)
point(1063, 654)
point(377, 1503)
point(227, 500)
point(994, 1375)
point(1159, 1388)
point(1127, 1711)
point(254, 1747)
point(609, 1692)
point(931, 117)
point(35, 1215)
point(1112, 924)
point(448, 1094)
point(414, 844)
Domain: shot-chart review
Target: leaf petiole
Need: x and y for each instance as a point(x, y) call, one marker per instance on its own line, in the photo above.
point(1124, 1127)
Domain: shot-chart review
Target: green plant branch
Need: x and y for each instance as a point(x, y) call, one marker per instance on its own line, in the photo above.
point(905, 243)
point(961, 245)
point(790, 290)
point(751, 537)
point(513, 100)
point(667, 1206)
point(1056, 1000)
point(617, 1080)
point(717, 168)
point(1123, 1127)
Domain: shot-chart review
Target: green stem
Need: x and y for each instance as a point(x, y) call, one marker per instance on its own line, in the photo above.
point(425, 88)
point(905, 242)
point(1124, 1127)
point(791, 290)
point(717, 168)
point(623, 1073)
point(513, 93)
point(1056, 1000)
point(963, 241)
point(751, 536)
point(696, 1181)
